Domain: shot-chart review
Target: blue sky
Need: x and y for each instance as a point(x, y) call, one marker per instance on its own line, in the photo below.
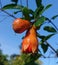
point(10, 41)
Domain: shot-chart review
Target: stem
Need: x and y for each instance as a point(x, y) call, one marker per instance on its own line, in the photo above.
point(8, 13)
point(41, 54)
point(0, 4)
point(52, 24)
point(27, 3)
point(21, 2)
point(52, 48)
point(21, 5)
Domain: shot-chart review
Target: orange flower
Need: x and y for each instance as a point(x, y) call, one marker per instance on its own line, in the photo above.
point(30, 42)
point(20, 25)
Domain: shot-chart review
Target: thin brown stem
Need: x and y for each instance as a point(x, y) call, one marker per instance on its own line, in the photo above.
point(21, 5)
point(52, 24)
point(8, 13)
point(20, 2)
point(52, 48)
point(27, 3)
point(0, 4)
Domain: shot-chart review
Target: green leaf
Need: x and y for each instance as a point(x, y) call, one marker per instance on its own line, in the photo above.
point(26, 12)
point(54, 17)
point(50, 29)
point(12, 6)
point(15, 1)
point(38, 12)
point(44, 47)
point(31, 12)
point(44, 38)
point(17, 12)
point(39, 22)
point(48, 6)
point(47, 37)
point(38, 3)
point(40, 36)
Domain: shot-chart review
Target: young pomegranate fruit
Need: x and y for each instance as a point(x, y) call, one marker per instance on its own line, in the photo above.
point(30, 42)
point(20, 25)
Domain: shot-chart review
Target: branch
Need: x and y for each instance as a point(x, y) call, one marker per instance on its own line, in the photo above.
point(0, 4)
point(21, 2)
point(8, 13)
point(3, 19)
point(52, 24)
point(27, 3)
point(21, 5)
point(49, 57)
point(42, 56)
point(52, 48)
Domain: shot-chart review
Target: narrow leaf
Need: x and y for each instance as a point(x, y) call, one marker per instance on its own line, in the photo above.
point(48, 6)
point(17, 12)
point(26, 12)
point(38, 11)
point(47, 37)
point(49, 29)
point(31, 12)
point(12, 6)
point(39, 22)
point(38, 3)
point(54, 17)
point(40, 36)
point(44, 38)
point(44, 47)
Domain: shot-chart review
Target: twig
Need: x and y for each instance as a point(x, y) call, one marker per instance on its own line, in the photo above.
point(8, 13)
point(3, 19)
point(0, 4)
point(21, 5)
point(3, 15)
point(41, 54)
point(20, 2)
point(52, 24)
point(49, 57)
point(52, 48)
point(27, 3)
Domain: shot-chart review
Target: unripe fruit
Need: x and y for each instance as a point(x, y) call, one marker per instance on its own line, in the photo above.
point(30, 42)
point(20, 25)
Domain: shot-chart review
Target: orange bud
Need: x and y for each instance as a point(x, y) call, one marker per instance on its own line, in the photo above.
point(30, 42)
point(20, 25)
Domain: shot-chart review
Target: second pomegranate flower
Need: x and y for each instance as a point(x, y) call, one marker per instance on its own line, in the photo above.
point(30, 42)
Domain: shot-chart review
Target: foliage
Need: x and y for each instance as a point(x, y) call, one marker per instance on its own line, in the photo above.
point(23, 59)
point(3, 59)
